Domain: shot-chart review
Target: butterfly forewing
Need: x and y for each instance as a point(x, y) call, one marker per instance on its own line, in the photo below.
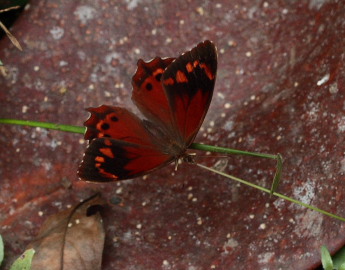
point(188, 83)
point(148, 94)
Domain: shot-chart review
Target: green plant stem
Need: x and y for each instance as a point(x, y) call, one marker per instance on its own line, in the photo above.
point(277, 175)
point(205, 147)
point(67, 128)
point(274, 193)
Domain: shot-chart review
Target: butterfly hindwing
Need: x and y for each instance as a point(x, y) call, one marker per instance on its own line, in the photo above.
point(107, 159)
point(188, 83)
point(121, 146)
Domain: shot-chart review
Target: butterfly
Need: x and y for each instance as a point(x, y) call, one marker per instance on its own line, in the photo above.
point(173, 95)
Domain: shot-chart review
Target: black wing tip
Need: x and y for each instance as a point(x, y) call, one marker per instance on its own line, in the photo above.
point(205, 52)
point(88, 170)
point(87, 173)
point(206, 49)
point(98, 166)
point(207, 44)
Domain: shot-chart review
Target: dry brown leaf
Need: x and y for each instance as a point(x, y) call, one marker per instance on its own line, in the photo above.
point(83, 242)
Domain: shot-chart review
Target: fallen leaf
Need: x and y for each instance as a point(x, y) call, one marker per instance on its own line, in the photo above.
point(73, 238)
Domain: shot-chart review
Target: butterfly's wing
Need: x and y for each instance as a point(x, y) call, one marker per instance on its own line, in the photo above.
point(188, 83)
point(121, 147)
point(176, 93)
point(148, 93)
point(107, 159)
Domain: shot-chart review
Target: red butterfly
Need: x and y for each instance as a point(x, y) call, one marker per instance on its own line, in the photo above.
point(174, 96)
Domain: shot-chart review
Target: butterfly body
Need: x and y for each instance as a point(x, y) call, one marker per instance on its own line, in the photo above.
point(173, 95)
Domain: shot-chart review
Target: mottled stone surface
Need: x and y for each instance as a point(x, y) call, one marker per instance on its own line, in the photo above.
point(280, 88)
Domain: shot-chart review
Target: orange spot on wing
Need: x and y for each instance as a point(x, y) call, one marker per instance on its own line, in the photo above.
point(195, 63)
point(107, 142)
point(189, 67)
point(99, 159)
point(101, 170)
point(110, 175)
point(208, 72)
point(107, 152)
point(169, 81)
point(181, 77)
point(99, 128)
point(157, 71)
